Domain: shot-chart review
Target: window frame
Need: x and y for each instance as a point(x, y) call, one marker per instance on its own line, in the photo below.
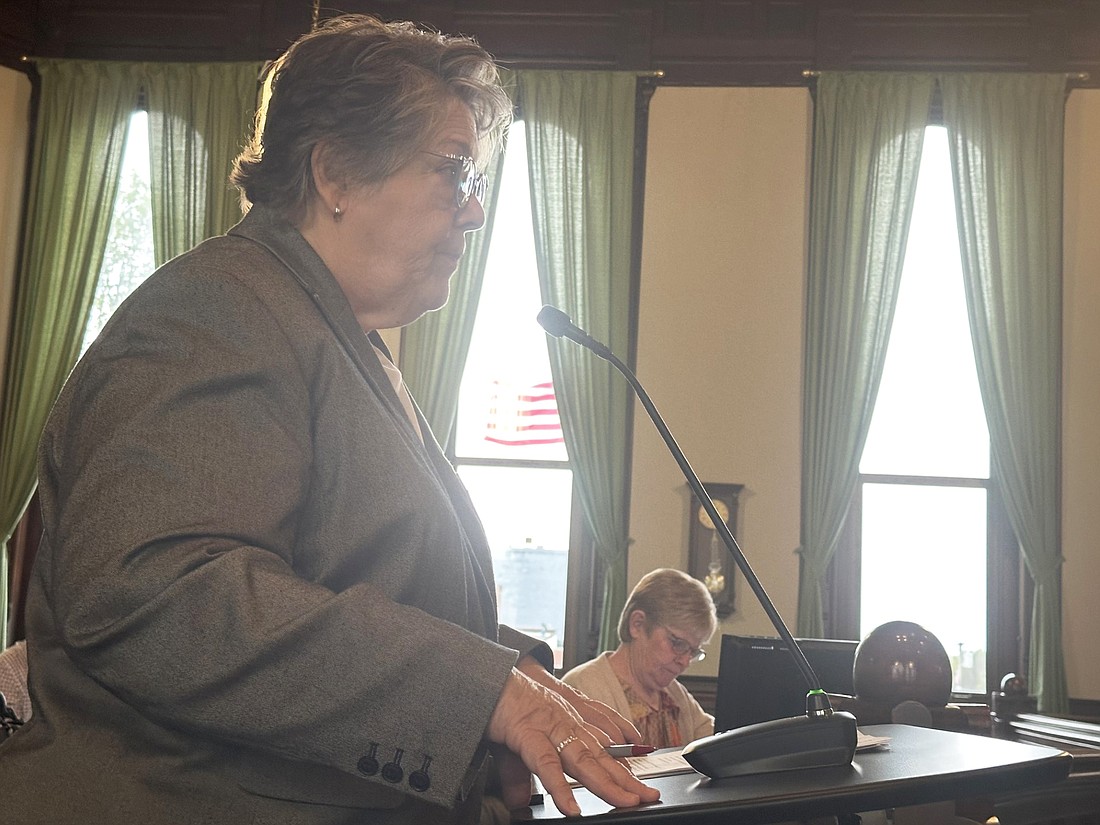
point(1008, 590)
point(585, 575)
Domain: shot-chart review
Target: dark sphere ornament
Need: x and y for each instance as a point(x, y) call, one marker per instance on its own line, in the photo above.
point(901, 661)
point(1013, 685)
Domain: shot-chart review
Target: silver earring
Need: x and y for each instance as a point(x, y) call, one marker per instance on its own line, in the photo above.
point(337, 214)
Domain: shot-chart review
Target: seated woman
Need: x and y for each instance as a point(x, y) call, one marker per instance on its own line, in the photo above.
point(667, 619)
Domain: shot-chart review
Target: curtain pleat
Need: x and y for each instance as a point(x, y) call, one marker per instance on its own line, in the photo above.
point(434, 348)
point(868, 135)
point(1006, 139)
point(580, 144)
point(81, 128)
point(199, 119)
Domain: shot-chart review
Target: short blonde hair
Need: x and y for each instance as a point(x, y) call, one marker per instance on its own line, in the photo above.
point(670, 597)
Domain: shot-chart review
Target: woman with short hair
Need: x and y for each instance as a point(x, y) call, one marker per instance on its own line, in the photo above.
point(263, 594)
point(667, 619)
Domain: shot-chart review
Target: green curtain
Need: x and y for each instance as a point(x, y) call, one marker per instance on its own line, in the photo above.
point(199, 115)
point(83, 113)
point(1006, 138)
point(199, 118)
point(580, 143)
point(434, 348)
point(868, 135)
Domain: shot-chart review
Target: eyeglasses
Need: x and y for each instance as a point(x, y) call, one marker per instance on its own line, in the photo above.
point(682, 647)
point(469, 181)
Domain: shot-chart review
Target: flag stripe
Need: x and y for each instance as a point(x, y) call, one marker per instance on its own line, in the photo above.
point(521, 416)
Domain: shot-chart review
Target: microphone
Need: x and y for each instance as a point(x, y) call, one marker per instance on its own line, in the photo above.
point(821, 738)
point(558, 324)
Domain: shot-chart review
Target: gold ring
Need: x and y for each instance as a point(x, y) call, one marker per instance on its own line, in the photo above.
point(564, 743)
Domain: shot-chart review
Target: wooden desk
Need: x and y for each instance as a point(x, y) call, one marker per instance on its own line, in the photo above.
point(1074, 800)
point(921, 766)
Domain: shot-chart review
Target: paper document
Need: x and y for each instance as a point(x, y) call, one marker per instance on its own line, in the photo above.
point(661, 763)
point(865, 742)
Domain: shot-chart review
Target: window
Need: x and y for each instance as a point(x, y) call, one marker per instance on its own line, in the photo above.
point(128, 258)
point(508, 445)
point(925, 522)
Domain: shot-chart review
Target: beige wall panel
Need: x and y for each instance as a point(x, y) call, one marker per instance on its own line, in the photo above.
point(15, 95)
point(720, 331)
point(1081, 395)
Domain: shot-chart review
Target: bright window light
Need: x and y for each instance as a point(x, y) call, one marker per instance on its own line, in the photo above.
point(509, 449)
point(128, 258)
point(923, 555)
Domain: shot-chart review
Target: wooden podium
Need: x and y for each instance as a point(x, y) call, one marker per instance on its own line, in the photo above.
point(918, 767)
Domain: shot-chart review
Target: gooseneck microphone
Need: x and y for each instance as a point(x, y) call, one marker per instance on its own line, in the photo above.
point(821, 738)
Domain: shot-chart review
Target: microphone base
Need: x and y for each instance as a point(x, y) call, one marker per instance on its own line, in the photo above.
point(778, 745)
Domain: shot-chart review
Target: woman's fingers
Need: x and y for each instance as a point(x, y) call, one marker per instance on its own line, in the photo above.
point(602, 716)
point(582, 758)
point(552, 739)
point(606, 777)
point(594, 712)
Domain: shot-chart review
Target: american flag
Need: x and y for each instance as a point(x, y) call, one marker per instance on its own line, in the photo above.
point(520, 416)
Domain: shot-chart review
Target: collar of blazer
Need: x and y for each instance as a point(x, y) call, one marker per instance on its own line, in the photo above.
point(266, 228)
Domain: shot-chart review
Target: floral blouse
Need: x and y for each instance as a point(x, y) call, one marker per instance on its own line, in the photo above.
point(660, 726)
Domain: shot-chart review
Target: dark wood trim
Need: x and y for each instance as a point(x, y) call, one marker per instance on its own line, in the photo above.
point(1056, 731)
point(1008, 587)
point(694, 42)
point(1085, 709)
point(1075, 800)
point(841, 589)
point(22, 549)
point(583, 592)
point(643, 95)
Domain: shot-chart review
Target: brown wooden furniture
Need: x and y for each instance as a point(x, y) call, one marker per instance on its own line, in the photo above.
point(1073, 801)
point(694, 42)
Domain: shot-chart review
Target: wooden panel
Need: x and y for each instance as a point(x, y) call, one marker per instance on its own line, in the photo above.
point(1007, 39)
point(1074, 801)
point(17, 31)
point(170, 30)
point(696, 42)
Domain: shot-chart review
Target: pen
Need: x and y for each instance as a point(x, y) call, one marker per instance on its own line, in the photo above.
point(619, 751)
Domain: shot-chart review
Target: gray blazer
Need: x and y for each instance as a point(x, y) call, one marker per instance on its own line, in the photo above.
point(260, 597)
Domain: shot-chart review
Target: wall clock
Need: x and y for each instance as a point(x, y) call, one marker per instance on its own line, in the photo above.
point(708, 558)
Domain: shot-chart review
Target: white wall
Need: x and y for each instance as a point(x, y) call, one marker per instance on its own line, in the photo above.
point(720, 332)
point(720, 340)
point(15, 95)
point(1081, 395)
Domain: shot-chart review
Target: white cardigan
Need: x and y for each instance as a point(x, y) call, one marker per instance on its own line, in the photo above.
point(597, 679)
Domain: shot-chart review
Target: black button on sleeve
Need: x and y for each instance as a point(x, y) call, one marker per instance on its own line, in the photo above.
point(368, 765)
point(419, 779)
point(392, 771)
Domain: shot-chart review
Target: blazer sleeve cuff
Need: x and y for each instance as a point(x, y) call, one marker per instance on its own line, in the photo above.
point(527, 645)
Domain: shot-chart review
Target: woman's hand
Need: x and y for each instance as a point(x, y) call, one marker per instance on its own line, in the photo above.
point(596, 713)
point(551, 738)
